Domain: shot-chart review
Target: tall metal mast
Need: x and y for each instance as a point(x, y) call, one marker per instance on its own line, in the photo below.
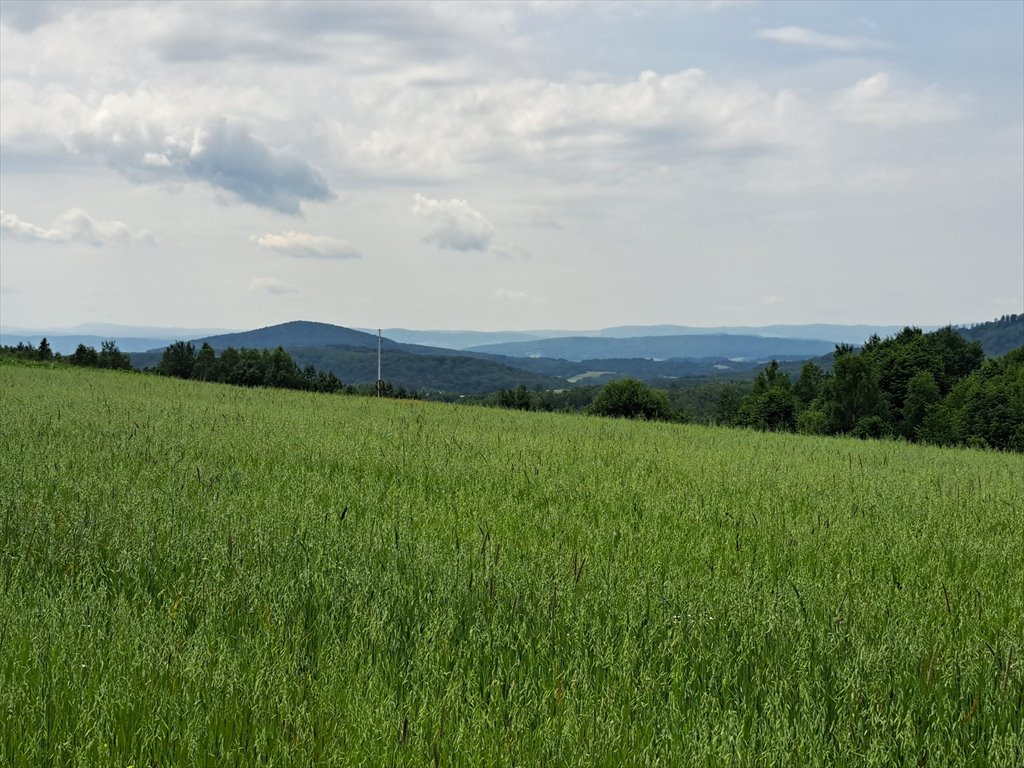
point(380, 381)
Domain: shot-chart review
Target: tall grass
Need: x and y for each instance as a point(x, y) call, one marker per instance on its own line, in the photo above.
point(202, 575)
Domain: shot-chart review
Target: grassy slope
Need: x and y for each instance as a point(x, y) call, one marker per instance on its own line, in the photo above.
point(180, 583)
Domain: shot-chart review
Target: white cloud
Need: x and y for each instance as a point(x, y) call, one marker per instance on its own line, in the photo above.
point(509, 295)
point(168, 134)
point(279, 105)
point(221, 153)
point(306, 246)
point(271, 285)
point(453, 224)
point(873, 101)
point(812, 39)
point(154, 158)
point(397, 125)
point(542, 220)
point(26, 15)
point(74, 225)
point(550, 128)
point(511, 252)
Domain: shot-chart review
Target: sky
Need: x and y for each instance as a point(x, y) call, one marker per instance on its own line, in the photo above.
point(510, 166)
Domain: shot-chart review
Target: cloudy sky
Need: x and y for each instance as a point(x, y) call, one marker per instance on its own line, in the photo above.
point(495, 166)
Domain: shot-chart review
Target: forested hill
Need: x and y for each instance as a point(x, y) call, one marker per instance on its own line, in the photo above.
point(422, 372)
point(351, 355)
point(308, 334)
point(997, 337)
point(298, 333)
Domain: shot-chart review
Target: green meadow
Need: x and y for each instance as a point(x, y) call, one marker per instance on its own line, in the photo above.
point(203, 575)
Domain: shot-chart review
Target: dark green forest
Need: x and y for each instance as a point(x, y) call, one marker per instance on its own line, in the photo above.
point(997, 337)
point(244, 367)
point(935, 387)
point(424, 373)
point(932, 387)
point(416, 371)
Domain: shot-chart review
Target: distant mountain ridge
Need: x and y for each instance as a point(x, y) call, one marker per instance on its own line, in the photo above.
point(129, 338)
point(351, 355)
point(562, 358)
point(66, 345)
point(297, 333)
point(847, 334)
point(537, 362)
point(663, 347)
point(132, 338)
point(462, 339)
point(110, 330)
point(458, 340)
point(308, 334)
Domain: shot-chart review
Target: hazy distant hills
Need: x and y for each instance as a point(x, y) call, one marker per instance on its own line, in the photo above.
point(114, 331)
point(142, 338)
point(462, 339)
point(129, 338)
point(848, 334)
point(352, 356)
point(663, 347)
point(66, 345)
point(301, 333)
point(458, 361)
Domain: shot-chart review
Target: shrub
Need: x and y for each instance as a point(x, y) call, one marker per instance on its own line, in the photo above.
point(631, 399)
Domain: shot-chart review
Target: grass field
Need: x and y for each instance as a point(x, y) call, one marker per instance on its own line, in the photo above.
point(203, 575)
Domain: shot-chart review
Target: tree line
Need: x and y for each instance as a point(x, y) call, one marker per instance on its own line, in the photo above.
point(929, 387)
point(934, 387)
point(258, 368)
point(242, 367)
point(108, 356)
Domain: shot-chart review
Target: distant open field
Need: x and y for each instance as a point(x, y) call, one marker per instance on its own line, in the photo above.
point(195, 574)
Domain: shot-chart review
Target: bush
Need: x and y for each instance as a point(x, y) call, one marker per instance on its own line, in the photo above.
point(770, 410)
point(85, 356)
point(631, 399)
point(518, 399)
point(812, 421)
point(870, 426)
